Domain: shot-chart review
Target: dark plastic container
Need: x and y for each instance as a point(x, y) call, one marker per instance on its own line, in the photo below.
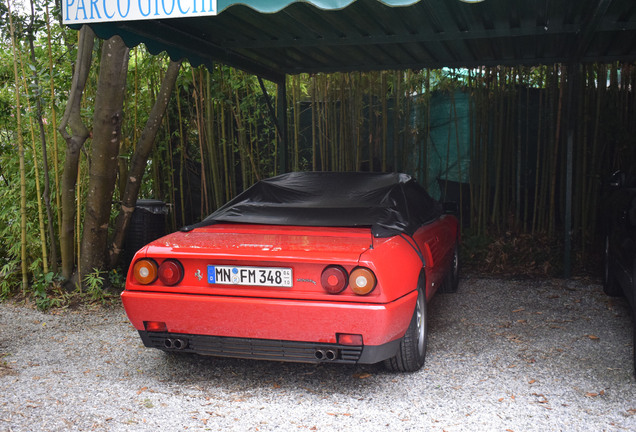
point(148, 223)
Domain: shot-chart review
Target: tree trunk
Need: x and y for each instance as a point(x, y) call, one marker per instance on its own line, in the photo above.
point(74, 142)
point(139, 160)
point(107, 120)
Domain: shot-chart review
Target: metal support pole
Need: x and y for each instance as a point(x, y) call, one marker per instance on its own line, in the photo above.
point(573, 74)
point(282, 121)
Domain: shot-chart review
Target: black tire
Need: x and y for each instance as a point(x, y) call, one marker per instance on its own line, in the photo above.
point(412, 352)
point(610, 285)
point(451, 284)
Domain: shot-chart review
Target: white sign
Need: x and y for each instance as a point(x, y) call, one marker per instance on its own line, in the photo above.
point(94, 11)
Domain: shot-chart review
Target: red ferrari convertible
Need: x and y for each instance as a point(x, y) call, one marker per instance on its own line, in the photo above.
point(305, 267)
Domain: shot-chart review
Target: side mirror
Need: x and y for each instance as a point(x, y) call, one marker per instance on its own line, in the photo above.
point(450, 207)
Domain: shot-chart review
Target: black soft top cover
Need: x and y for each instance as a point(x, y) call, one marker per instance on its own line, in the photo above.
point(388, 203)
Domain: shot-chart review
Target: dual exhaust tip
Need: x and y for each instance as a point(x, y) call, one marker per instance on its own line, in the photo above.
point(175, 344)
point(326, 355)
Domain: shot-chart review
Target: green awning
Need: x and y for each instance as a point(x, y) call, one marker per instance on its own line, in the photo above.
point(272, 38)
point(93, 11)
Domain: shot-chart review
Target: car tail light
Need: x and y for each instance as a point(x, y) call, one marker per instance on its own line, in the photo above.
point(334, 279)
point(145, 271)
point(170, 272)
point(362, 280)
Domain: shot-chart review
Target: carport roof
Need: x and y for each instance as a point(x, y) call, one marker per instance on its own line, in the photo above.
point(272, 38)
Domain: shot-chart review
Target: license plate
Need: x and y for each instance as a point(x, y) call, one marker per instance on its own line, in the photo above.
point(251, 276)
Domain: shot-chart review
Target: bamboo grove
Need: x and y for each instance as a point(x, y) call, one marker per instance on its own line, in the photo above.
point(501, 139)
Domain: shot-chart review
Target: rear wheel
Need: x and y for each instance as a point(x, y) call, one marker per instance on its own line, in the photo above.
point(610, 286)
point(452, 277)
point(412, 352)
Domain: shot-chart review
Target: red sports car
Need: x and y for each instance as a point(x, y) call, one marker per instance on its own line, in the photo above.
point(305, 267)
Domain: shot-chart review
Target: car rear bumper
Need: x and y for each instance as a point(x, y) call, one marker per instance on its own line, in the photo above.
point(266, 349)
point(290, 330)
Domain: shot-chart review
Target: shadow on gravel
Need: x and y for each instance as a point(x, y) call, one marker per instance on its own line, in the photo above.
point(522, 330)
point(240, 374)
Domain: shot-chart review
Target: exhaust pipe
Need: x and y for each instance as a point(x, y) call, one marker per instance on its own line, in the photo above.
point(328, 355)
point(177, 344)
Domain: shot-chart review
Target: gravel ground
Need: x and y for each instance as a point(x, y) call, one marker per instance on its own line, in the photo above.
point(548, 355)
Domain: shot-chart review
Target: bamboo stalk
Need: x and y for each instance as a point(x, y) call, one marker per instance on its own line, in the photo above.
point(135, 111)
point(488, 115)
point(56, 159)
point(224, 141)
point(314, 108)
point(397, 82)
point(448, 144)
point(498, 139)
point(408, 132)
point(517, 124)
point(385, 117)
point(459, 158)
point(198, 102)
point(232, 139)
point(245, 155)
point(182, 152)
point(38, 191)
point(23, 231)
point(471, 148)
point(78, 227)
point(512, 151)
point(171, 171)
point(43, 196)
point(333, 130)
point(555, 153)
point(342, 125)
point(537, 184)
point(581, 167)
point(296, 119)
point(211, 143)
point(359, 122)
point(526, 157)
point(322, 124)
point(369, 127)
